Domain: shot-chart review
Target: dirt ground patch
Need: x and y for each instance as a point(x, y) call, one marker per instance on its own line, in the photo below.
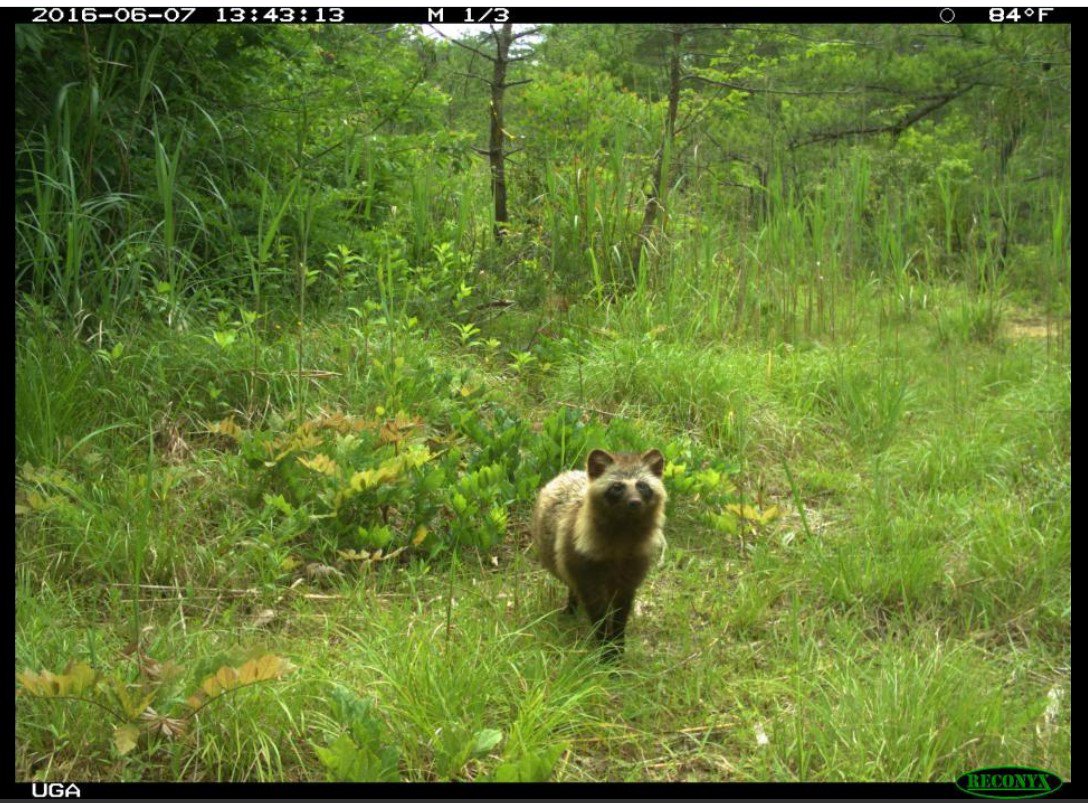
point(1035, 327)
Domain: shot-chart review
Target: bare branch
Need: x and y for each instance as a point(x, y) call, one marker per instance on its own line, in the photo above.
point(733, 156)
point(759, 91)
point(896, 128)
point(737, 184)
point(470, 75)
point(691, 117)
point(487, 151)
point(795, 35)
point(459, 43)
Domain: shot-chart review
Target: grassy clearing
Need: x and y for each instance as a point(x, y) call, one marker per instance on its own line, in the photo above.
point(910, 620)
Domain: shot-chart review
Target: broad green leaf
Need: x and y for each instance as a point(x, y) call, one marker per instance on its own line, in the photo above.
point(485, 741)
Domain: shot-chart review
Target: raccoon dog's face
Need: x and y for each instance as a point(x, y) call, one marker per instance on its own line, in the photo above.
point(626, 485)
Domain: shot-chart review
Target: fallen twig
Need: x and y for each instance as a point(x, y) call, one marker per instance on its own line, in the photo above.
point(583, 407)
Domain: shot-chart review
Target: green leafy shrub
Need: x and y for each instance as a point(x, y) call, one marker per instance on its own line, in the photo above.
point(360, 753)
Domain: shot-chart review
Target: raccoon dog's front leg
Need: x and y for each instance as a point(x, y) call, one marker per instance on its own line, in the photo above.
point(572, 602)
point(609, 615)
point(615, 630)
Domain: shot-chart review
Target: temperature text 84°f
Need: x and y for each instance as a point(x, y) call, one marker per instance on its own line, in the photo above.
point(1019, 14)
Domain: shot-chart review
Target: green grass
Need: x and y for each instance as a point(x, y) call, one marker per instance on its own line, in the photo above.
point(909, 627)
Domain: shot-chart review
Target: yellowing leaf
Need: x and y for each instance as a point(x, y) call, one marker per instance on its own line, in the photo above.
point(40, 475)
point(397, 429)
point(421, 534)
point(247, 673)
point(125, 737)
point(391, 469)
point(307, 441)
point(267, 667)
point(743, 512)
point(750, 513)
point(321, 464)
point(227, 678)
point(37, 501)
point(374, 476)
point(76, 679)
point(41, 684)
point(338, 422)
point(724, 522)
point(227, 427)
point(416, 457)
point(351, 554)
point(300, 441)
point(388, 555)
point(132, 704)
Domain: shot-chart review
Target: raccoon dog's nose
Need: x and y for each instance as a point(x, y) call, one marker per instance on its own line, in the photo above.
point(634, 503)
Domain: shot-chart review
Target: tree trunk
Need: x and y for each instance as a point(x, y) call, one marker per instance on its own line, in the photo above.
point(496, 155)
point(658, 181)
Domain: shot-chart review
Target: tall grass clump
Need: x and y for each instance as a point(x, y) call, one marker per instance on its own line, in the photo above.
point(908, 711)
point(52, 405)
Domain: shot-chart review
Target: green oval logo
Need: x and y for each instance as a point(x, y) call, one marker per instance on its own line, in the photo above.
point(1008, 783)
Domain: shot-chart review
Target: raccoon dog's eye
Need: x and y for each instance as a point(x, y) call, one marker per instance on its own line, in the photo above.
point(616, 487)
point(644, 489)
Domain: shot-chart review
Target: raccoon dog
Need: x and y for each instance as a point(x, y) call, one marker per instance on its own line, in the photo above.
point(599, 530)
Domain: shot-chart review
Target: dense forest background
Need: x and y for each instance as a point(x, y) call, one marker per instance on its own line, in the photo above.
point(179, 166)
point(306, 314)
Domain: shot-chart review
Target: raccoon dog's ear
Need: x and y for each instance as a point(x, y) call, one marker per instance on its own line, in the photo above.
point(597, 462)
point(655, 461)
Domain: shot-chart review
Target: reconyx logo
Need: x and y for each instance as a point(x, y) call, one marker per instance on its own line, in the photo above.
point(1008, 783)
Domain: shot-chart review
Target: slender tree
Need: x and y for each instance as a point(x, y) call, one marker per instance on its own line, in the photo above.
point(504, 39)
point(658, 180)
